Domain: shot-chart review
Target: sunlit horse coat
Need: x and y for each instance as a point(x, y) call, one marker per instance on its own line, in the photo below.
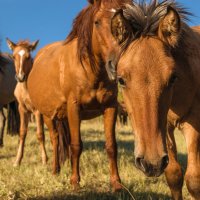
point(75, 80)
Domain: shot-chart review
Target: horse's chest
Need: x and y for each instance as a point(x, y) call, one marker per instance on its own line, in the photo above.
point(23, 98)
point(96, 98)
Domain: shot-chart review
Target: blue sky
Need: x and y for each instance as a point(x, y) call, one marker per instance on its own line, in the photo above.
point(50, 20)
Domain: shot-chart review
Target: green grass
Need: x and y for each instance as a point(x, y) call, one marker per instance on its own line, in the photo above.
point(33, 181)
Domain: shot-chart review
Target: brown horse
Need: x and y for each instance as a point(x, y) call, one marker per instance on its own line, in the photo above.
point(160, 73)
point(74, 80)
point(23, 65)
point(7, 86)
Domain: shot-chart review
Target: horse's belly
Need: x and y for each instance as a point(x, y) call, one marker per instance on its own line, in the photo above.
point(90, 114)
point(45, 96)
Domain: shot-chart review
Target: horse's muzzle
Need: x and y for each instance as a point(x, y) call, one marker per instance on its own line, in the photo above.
point(151, 170)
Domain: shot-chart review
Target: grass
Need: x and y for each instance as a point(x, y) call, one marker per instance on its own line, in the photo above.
point(33, 181)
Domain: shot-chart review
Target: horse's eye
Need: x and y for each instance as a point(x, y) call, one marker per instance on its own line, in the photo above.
point(97, 22)
point(122, 82)
point(172, 79)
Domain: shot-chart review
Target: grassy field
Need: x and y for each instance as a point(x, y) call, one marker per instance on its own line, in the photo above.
point(33, 181)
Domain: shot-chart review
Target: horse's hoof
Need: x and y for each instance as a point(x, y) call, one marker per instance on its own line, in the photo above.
point(76, 187)
point(16, 164)
point(116, 186)
point(1, 145)
point(56, 172)
point(75, 184)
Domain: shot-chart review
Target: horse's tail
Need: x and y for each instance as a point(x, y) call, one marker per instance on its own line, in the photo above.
point(13, 119)
point(64, 140)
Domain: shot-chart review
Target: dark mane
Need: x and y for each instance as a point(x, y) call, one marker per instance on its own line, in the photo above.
point(83, 28)
point(145, 17)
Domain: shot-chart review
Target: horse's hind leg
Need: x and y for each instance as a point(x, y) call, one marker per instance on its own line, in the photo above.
point(110, 115)
point(192, 176)
point(2, 126)
point(76, 143)
point(54, 141)
point(24, 118)
point(40, 135)
point(173, 171)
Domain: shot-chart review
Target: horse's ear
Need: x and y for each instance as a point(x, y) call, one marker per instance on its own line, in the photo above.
point(34, 45)
point(169, 27)
point(10, 44)
point(119, 27)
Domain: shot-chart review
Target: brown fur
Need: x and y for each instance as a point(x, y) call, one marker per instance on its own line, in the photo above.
point(160, 73)
point(62, 89)
point(23, 65)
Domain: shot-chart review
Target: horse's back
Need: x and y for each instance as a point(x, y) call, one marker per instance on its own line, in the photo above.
point(196, 28)
point(44, 80)
point(7, 80)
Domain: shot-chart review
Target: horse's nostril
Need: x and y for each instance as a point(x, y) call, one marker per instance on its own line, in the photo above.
point(164, 162)
point(141, 164)
point(137, 161)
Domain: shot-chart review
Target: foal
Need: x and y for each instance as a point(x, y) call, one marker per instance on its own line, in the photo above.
point(23, 65)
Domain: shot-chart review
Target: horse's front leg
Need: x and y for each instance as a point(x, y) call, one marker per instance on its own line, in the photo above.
point(2, 126)
point(76, 143)
point(191, 133)
point(40, 135)
point(173, 171)
point(110, 115)
point(24, 118)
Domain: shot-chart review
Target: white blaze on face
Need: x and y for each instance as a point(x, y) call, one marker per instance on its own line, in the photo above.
point(21, 54)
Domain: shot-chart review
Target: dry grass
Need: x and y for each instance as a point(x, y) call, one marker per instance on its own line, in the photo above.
point(33, 181)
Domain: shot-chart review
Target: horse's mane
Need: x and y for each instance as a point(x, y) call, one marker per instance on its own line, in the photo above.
point(83, 27)
point(145, 17)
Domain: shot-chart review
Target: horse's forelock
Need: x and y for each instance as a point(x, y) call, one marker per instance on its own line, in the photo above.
point(145, 18)
point(24, 43)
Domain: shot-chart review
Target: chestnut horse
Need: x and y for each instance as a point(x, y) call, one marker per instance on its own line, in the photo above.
point(23, 65)
point(7, 86)
point(75, 80)
point(160, 73)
